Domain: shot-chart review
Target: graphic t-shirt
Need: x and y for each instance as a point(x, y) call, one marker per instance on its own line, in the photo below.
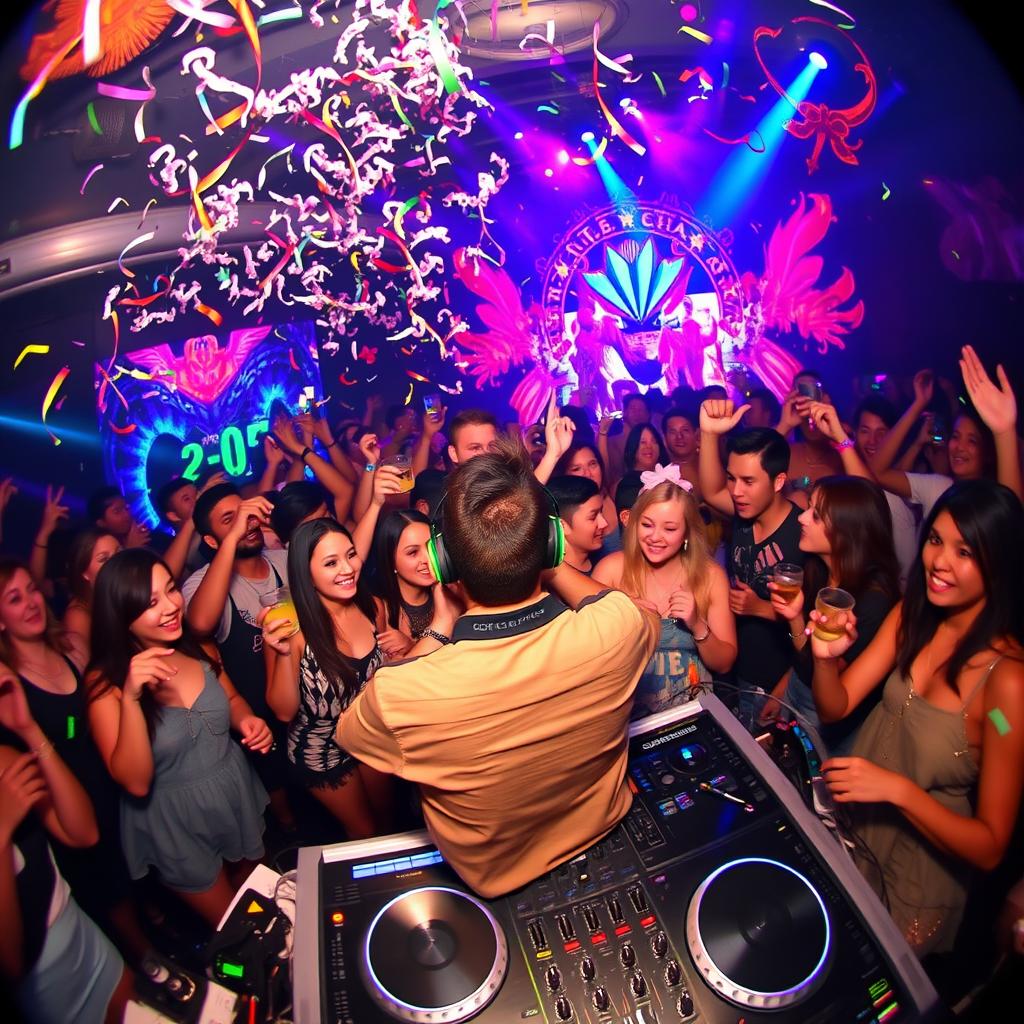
point(763, 644)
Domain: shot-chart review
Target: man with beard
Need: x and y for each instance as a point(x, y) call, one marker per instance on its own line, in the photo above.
point(223, 604)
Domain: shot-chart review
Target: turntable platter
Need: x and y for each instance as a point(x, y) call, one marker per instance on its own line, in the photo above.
point(434, 954)
point(759, 931)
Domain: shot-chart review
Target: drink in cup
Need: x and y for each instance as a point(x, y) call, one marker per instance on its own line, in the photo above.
point(789, 579)
point(281, 606)
point(404, 466)
point(832, 604)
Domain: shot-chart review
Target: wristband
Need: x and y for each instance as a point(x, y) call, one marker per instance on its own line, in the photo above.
point(707, 633)
point(370, 467)
point(434, 635)
point(306, 451)
point(332, 444)
point(841, 446)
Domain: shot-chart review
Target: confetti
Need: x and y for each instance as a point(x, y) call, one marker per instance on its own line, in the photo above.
point(121, 92)
point(197, 12)
point(659, 82)
point(17, 132)
point(122, 430)
point(885, 192)
point(114, 204)
point(616, 128)
point(40, 350)
point(838, 10)
point(418, 376)
point(408, 397)
point(88, 178)
point(998, 719)
point(51, 394)
point(138, 240)
point(696, 33)
point(210, 313)
point(548, 108)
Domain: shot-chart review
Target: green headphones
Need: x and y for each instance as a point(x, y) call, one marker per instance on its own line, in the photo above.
point(442, 564)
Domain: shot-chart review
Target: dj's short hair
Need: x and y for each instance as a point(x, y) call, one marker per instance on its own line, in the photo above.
point(495, 524)
point(769, 444)
point(570, 492)
point(471, 418)
point(205, 504)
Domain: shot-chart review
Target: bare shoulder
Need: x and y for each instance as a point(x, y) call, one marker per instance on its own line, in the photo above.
point(609, 569)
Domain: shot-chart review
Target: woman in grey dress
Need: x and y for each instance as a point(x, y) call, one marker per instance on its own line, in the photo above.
point(935, 781)
point(161, 711)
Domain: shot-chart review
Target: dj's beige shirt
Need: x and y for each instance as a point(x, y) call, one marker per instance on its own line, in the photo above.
point(518, 743)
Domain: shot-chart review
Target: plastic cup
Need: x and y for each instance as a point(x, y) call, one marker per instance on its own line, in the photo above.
point(831, 603)
point(281, 606)
point(789, 579)
point(404, 466)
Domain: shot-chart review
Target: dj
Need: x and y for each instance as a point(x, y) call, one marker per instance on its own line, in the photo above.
point(515, 732)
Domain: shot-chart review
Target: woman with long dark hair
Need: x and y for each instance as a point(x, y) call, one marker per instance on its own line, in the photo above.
point(49, 666)
point(934, 786)
point(90, 550)
point(405, 579)
point(160, 710)
point(313, 675)
point(846, 531)
point(644, 449)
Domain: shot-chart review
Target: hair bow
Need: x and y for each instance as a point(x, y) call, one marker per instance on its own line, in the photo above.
point(664, 475)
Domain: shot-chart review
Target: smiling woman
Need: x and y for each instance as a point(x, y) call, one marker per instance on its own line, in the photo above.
point(935, 781)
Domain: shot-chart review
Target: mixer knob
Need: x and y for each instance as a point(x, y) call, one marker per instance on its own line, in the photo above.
point(587, 968)
point(673, 974)
point(684, 1004)
point(627, 955)
point(638, 985)
point(563, 1008)
point(601, 998)
point(554, 978)
point(659, 944)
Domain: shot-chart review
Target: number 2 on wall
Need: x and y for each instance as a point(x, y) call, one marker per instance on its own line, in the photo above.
point(194, 452)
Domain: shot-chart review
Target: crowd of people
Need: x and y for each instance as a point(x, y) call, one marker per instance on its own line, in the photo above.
point(155, 716)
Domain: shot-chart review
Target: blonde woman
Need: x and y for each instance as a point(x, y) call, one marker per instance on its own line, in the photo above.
point(665, 566)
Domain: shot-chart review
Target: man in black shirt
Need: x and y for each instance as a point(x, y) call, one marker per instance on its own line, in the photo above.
point(765, 532)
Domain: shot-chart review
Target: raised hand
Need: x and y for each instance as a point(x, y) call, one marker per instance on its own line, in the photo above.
point(827, 420)
point(433, 422)
point(256, 508)
point(272, 451)
point(926, 432)
point(793, 412)
point(369, 445)
point(558, 429)
point(719, 416)
point(924, 387)
point(256, 734)
point(996, 405)
point(7, 491)
point(825, 649)
point(53, 511)
point(386, 481)
point(305, 427)
point(283, 431)
point(149, 668)
point(277, 633)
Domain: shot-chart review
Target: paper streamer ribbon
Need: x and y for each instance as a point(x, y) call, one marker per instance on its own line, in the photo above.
point(17, 132)
point(28, 350)
point(51, 394)
point(613, 124)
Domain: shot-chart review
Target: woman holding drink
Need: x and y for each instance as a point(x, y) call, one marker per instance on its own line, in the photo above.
point(319, 661)
point(846, 531)
point(934, 786)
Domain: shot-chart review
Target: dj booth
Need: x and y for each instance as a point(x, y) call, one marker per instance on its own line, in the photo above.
point(720, 897)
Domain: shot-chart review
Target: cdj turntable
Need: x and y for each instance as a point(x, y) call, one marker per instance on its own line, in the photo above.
point(718, 898)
